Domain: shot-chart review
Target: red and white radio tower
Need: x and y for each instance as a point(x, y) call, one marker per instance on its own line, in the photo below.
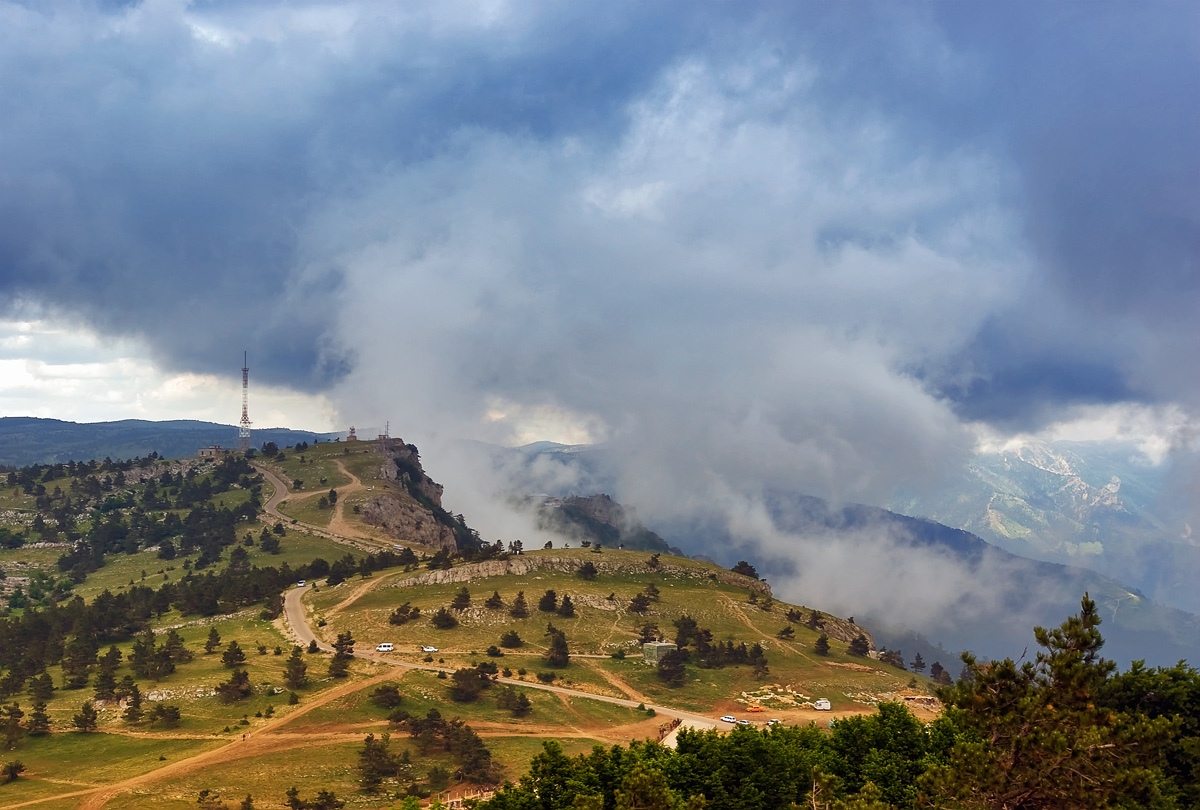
point(244, 429)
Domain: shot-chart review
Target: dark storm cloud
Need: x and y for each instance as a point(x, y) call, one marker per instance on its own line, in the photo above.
point(986, 207)
point(154, 175)
point(1097, 106)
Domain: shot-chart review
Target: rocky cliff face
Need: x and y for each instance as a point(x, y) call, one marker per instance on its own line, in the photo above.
point(409, 511)
point(601, 520)
point(408, 521)
point(604, 509)
point(402, 464)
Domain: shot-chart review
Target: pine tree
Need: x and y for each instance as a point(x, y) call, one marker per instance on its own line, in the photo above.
point(12, 715)
point(558, 655)
point(859, 646)
point(494, 602)
point(88, 717)
point(42, 687)
point(106, 685)
point(214, 641)
point(519, 609)
point(462, 600)
point(233, 655)
point(1034, 735)
point(821, 647)
point(567, 608)
point(236, 688)
point(296, 670)
point(133, 707)
point(918, 663)
point(549, 602)
point(39, 721)
point(343, 652)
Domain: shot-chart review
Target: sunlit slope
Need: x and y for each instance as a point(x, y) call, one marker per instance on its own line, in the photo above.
point(605, 624)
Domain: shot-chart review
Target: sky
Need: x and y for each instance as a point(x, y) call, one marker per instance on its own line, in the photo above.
point(819, 245)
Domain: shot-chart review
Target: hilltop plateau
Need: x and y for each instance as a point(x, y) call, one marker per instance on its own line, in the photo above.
point(151, 658)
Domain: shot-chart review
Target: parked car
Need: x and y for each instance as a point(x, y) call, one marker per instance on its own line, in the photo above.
point(743, 722)
point(301, 583)
point(385, 647)
point(428, 649)
point(728, 718)
point(822, 705)
point(774, 721)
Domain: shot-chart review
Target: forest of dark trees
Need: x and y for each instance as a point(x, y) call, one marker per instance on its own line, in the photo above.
point(1061, 731)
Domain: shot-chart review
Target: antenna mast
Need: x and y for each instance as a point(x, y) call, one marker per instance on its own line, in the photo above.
point(244, 428)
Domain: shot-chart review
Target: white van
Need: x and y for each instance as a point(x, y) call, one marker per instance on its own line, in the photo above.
point(822, 705)
point(385, 647)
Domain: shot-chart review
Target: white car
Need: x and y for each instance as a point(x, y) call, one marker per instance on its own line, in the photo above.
point(301, 583)
point(743, 722)
point(428, 649)
point(822, 705)
point(728, 718)
point(774, 722)
point(385, 647)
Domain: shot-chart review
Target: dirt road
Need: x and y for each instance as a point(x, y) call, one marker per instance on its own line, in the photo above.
point(351, 537)
point(297, 619)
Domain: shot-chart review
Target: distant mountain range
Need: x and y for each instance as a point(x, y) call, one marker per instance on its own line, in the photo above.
point(1054, 503)
point(1100, 505)
point(1006, 593)
point(27, 440)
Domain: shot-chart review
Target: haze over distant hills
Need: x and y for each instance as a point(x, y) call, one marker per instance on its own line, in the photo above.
point(900, 573)
point(1100, 505)
point(30, 440)
point(946, 583)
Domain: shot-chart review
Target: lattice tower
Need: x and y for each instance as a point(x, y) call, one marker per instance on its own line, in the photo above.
point(244, 427)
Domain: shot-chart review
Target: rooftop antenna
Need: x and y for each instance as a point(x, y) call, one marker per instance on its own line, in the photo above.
point(244, 428)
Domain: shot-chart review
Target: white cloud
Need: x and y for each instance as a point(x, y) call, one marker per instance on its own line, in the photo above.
point(58, 371)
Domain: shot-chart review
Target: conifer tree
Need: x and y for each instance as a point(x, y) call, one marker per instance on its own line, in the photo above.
point(11, 715)
point(39, 721)
point(567, 608)
point(519, 609)
point(558, 655)
point(233, 655)
point(88, 717)
point(462, 600)
point(1035, 735)
point(214, 641)
point(296, 671)
point(133, 707)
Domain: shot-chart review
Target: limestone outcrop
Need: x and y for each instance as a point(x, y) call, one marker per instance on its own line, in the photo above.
point(522, 564)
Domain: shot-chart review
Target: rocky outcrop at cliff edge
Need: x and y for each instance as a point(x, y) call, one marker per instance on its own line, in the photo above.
point(524, 564)
point(405, 519)
point(605, 510)
point(402, 464)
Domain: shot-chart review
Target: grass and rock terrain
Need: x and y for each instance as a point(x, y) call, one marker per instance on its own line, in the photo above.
point(89, 534)
point(156, 651)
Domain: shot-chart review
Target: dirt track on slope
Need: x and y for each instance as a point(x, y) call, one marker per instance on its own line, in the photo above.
point(257, 742)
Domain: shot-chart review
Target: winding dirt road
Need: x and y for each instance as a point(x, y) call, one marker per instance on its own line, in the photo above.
point(269, 738)
point(339, 530)
point(297, 619)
